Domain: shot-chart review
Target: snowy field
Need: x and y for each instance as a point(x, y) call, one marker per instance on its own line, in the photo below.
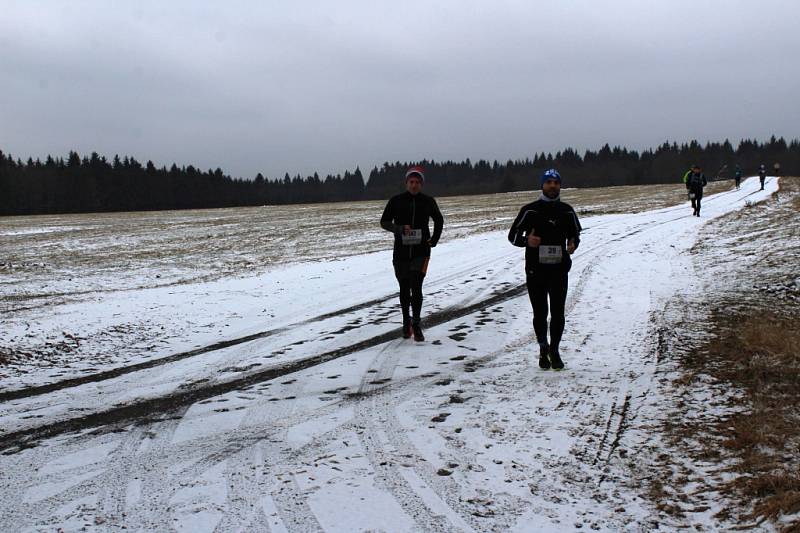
point(283, 401)
point(80, 292)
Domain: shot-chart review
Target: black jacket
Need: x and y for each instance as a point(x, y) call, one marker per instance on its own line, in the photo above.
point(696, 182)
point(416, 211)
point(555, 222)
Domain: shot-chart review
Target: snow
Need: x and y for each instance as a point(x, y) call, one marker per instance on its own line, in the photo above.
point(462, 433)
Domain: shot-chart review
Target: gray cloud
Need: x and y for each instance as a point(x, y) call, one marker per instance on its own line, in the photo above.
point(305, 86)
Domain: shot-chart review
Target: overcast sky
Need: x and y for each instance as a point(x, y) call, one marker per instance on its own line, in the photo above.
point(274, 87)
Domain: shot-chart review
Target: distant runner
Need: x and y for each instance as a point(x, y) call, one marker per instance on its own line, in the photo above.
point(549, 231)
point(777, 169)
point(694, 184)
point(762, 175)
point(407, 215)
point(738, 176)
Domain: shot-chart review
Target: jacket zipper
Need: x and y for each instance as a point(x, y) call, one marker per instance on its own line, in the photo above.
point(413, 214)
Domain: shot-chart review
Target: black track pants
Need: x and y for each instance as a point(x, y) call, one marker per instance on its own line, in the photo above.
point(410, 275)
point(698, 197)
point(552, 286)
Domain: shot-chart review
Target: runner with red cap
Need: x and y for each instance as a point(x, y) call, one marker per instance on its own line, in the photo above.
point(408, 216)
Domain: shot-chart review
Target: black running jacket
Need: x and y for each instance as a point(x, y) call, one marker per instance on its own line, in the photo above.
point(555, 222)
point(416, 211)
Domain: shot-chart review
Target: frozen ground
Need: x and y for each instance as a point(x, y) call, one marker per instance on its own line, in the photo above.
point(312, 416)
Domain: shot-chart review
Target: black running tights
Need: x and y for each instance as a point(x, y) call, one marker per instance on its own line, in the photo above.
point(698, 197)
point(541, 287)
point(411, 294)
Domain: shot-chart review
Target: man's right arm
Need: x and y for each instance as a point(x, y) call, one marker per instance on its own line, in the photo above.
point(515, 234)
point(387, 220)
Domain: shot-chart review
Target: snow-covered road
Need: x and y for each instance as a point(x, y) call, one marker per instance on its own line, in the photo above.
point(314, 417)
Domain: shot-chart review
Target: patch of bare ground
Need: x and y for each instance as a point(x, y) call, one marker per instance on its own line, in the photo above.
point(737, 419)
point(758, 353)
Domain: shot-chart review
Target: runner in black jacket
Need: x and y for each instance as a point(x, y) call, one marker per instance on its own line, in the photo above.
point(407, 215)
point(695, 182)
point(550, 232)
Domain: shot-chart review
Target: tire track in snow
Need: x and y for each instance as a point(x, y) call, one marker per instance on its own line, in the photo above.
point(113, 497)
point(153, 467)
point(89, 479)
point(120, 371)
point(151, 511)
point(38, 390)
point(247, 471)
point(142, 408)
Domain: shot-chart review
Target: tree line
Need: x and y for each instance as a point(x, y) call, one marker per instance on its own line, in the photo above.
point(94, 184)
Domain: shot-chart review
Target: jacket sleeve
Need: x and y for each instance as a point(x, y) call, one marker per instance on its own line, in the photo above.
point(575, 230)
point(516, 235)
point(438, 222)
point(387, 219)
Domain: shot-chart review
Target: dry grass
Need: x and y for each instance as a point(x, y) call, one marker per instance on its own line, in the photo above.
point(758, 355)
point(749, 365)
point(761, 356)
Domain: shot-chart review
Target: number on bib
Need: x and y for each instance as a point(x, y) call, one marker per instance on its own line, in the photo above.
point(549, 255)
point(415, 237)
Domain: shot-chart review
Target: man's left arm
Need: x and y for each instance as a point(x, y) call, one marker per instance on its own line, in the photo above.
point(438, 223)
point(574, 234)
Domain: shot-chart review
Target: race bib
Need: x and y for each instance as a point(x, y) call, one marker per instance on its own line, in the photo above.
point(549, 255)
point(691, 196)
point(413, 238)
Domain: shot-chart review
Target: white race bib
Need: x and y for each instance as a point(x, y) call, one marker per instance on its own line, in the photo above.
point(549, 255)
point(413, 238)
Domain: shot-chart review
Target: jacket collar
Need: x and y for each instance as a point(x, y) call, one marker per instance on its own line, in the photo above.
point(544, 198)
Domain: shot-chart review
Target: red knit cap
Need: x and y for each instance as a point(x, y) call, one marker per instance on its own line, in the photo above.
point(419, 171)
